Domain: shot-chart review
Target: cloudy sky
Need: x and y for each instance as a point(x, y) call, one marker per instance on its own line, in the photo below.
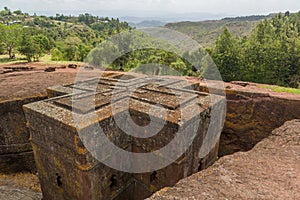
point(155, 7)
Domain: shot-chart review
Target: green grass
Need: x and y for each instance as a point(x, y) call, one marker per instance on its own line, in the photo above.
point(46, 59)
point(4, 59)
point(281, 89)
point(207, 32)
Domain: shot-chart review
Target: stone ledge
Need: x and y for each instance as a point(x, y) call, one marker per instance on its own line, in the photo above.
point(269, 171)
point(11, 193)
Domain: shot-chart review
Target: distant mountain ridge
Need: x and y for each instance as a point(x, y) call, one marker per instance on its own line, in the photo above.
point(206, 32)
point(169, 17)
point(146, 24)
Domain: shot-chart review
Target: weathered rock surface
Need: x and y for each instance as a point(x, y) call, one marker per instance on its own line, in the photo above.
point(25, 84)
point(22, 186)
point(15, 149)
point(62, 160)
point(253, 112)
point(10, 193)
point(271, 170)
point(21, 86)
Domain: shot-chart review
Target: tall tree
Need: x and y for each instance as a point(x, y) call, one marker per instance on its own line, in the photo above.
point(10, 37)
point(226, 56)
point(26, 46)
point(41, 46)
point(34, 45)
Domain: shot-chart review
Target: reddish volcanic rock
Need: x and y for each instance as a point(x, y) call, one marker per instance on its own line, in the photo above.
point(271, 170)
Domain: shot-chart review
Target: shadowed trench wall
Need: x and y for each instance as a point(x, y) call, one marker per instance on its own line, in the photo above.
point(15, 149)
point(252, 114)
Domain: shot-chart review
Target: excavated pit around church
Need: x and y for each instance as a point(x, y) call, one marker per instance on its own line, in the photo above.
point(252, 114)
point(67, 170)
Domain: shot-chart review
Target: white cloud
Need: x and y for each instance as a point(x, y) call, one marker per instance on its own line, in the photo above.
point(231, 7)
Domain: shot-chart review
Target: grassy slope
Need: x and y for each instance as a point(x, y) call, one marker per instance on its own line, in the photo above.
point(4, 59)
point(46, 59)
point(206, 32)
point(282, 89)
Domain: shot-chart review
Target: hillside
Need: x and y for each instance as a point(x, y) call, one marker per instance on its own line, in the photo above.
point(66, 38)
point(206, 32)
point(147, 23)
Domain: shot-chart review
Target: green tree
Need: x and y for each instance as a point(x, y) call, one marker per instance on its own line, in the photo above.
point(56, 54)
point(71, 48)
point(33, 46)
point(272, 54)
point(226, 56)
point(41, 46)
point(294, 58)
point(5, 12)
point(26, 46)
point(83, 51)
point(18, 12)
point(10, 37)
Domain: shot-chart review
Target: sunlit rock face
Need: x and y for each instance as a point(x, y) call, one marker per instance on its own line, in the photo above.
point(70, 151)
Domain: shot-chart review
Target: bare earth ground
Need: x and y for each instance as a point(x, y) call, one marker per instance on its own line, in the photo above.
point(269, 171)
point(34, 83)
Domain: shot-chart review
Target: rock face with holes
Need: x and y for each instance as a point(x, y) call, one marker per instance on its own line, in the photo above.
point(15, 148)
point(66, 145)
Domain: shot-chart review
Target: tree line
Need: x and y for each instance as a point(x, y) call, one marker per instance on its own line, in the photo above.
point(270, 55)
point(66, 38)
